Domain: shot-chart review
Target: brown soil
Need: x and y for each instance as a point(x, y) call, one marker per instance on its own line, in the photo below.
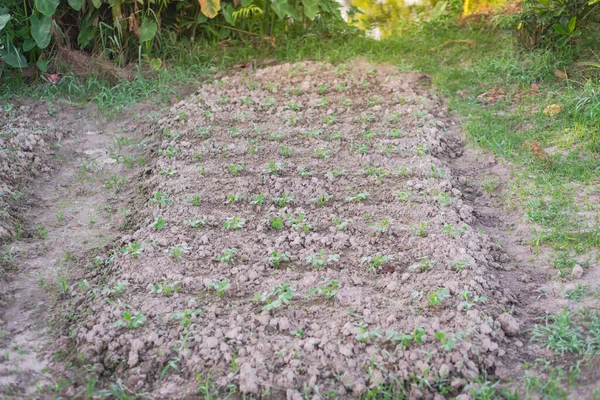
point(447, 306)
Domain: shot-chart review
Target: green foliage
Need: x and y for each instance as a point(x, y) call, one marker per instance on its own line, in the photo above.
point(125, 31)
point(554, 22)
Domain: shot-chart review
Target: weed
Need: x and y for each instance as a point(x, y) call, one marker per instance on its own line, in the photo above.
point(559, 333)
point(578, 292)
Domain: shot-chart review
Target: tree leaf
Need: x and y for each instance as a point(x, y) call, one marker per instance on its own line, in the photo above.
point(76, 4)
point(40, 31)
point(46, 7)
point(12, 56)
point(42, 65)
point(246, 3)
point(97, 3)
point(4, 20)
point(572, 24)
point(560, 29)
point(311, 8)
point(29, 44)
point(228, 14)
point(210, 8)
point(147, 30)
point(283, 9)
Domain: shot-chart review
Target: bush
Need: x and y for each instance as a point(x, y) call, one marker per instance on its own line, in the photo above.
point(553, 22)
point(132, 30)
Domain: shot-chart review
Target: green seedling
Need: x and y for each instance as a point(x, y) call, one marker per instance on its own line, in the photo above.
point(277, 258)
point(283, 200)
point(196, 222)
point(220, 286)
point(300, 223)
point(115, 290)
point(381, 226)
point(327, 290)
point(185, 317)
point(321, 199)
point(419, 230)
point(176, 252)
point(257, 200)
point(445, 198)
point(321, 260)
point(234, 198)
point(274, 221)
point(131, 320)
point(227, 255)
point(454, 232)
point(236, 169)
point(274, 168)
point(279, 296)
point(304, 172)
point(436, 172)
point(234, 223)
point(469, 301)
point(159, 223)
point(166, 287)
point(375, 263)
point(341, 224)
point(132, 249)
point(436, 298)
point(422, 265)
point(322, 152)
point(285, 151)
point(357, 197)
point(447, 342)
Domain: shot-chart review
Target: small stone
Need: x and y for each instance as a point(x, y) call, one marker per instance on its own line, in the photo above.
point(509, 324)
point(577, 272)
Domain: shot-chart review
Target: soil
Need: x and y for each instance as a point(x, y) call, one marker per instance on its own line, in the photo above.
point(351, 178)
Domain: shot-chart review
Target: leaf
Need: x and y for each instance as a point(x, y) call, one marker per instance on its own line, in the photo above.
point(28, 44)
point(560, 29)
point(283, 9)
point(4, 20)
point(42, 65)
point(97, 3)
point(228, 14)
point(311, 8)
point(85, 35)
point(572, 24)
point(210, 8)
point(147, 30)
point(76, 4)
point(12, 56)
point(46, 7)
point(156, 63)
point(40, 31)
point(246, 3)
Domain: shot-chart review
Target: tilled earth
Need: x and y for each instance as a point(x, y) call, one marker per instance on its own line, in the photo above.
point(318, 199)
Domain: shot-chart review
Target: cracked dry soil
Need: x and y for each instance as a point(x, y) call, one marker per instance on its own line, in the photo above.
point(324, 201)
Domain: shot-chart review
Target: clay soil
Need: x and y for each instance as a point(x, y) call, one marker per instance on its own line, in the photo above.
point(332, 207)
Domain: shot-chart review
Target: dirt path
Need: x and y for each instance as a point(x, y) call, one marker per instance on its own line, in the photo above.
point(68, 213)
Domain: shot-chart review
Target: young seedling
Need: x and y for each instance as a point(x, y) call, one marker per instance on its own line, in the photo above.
point(277, 258)
point(445, 198)
point(159, 223)
point(422, 265)
point(227, 255)
point(300, 223)
point(220, 286)
point(185, 317)
point(341, 224)
point(375, 263)
point(279, 296)
point(321, 199)
point(419, 230)
point(454, 232)
point(116, 289)
point(356, 196)
point(257, 200)
point(196, 222)
point(166, 287)
point(468, 303)
point(304, 172)
point(273, 221)
point(234, 198)
point(282, 201)
point(328, 290)
point(321, 260)
point(132, 249)
point(381, 226)
point(274, 168)
point(177, 251)
point(436, 298)
point(236, 169)
point(285, 151)
point(234, 223)
point(447, 342)
point(322, 152)
point(436, 172)
point(131, 320)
